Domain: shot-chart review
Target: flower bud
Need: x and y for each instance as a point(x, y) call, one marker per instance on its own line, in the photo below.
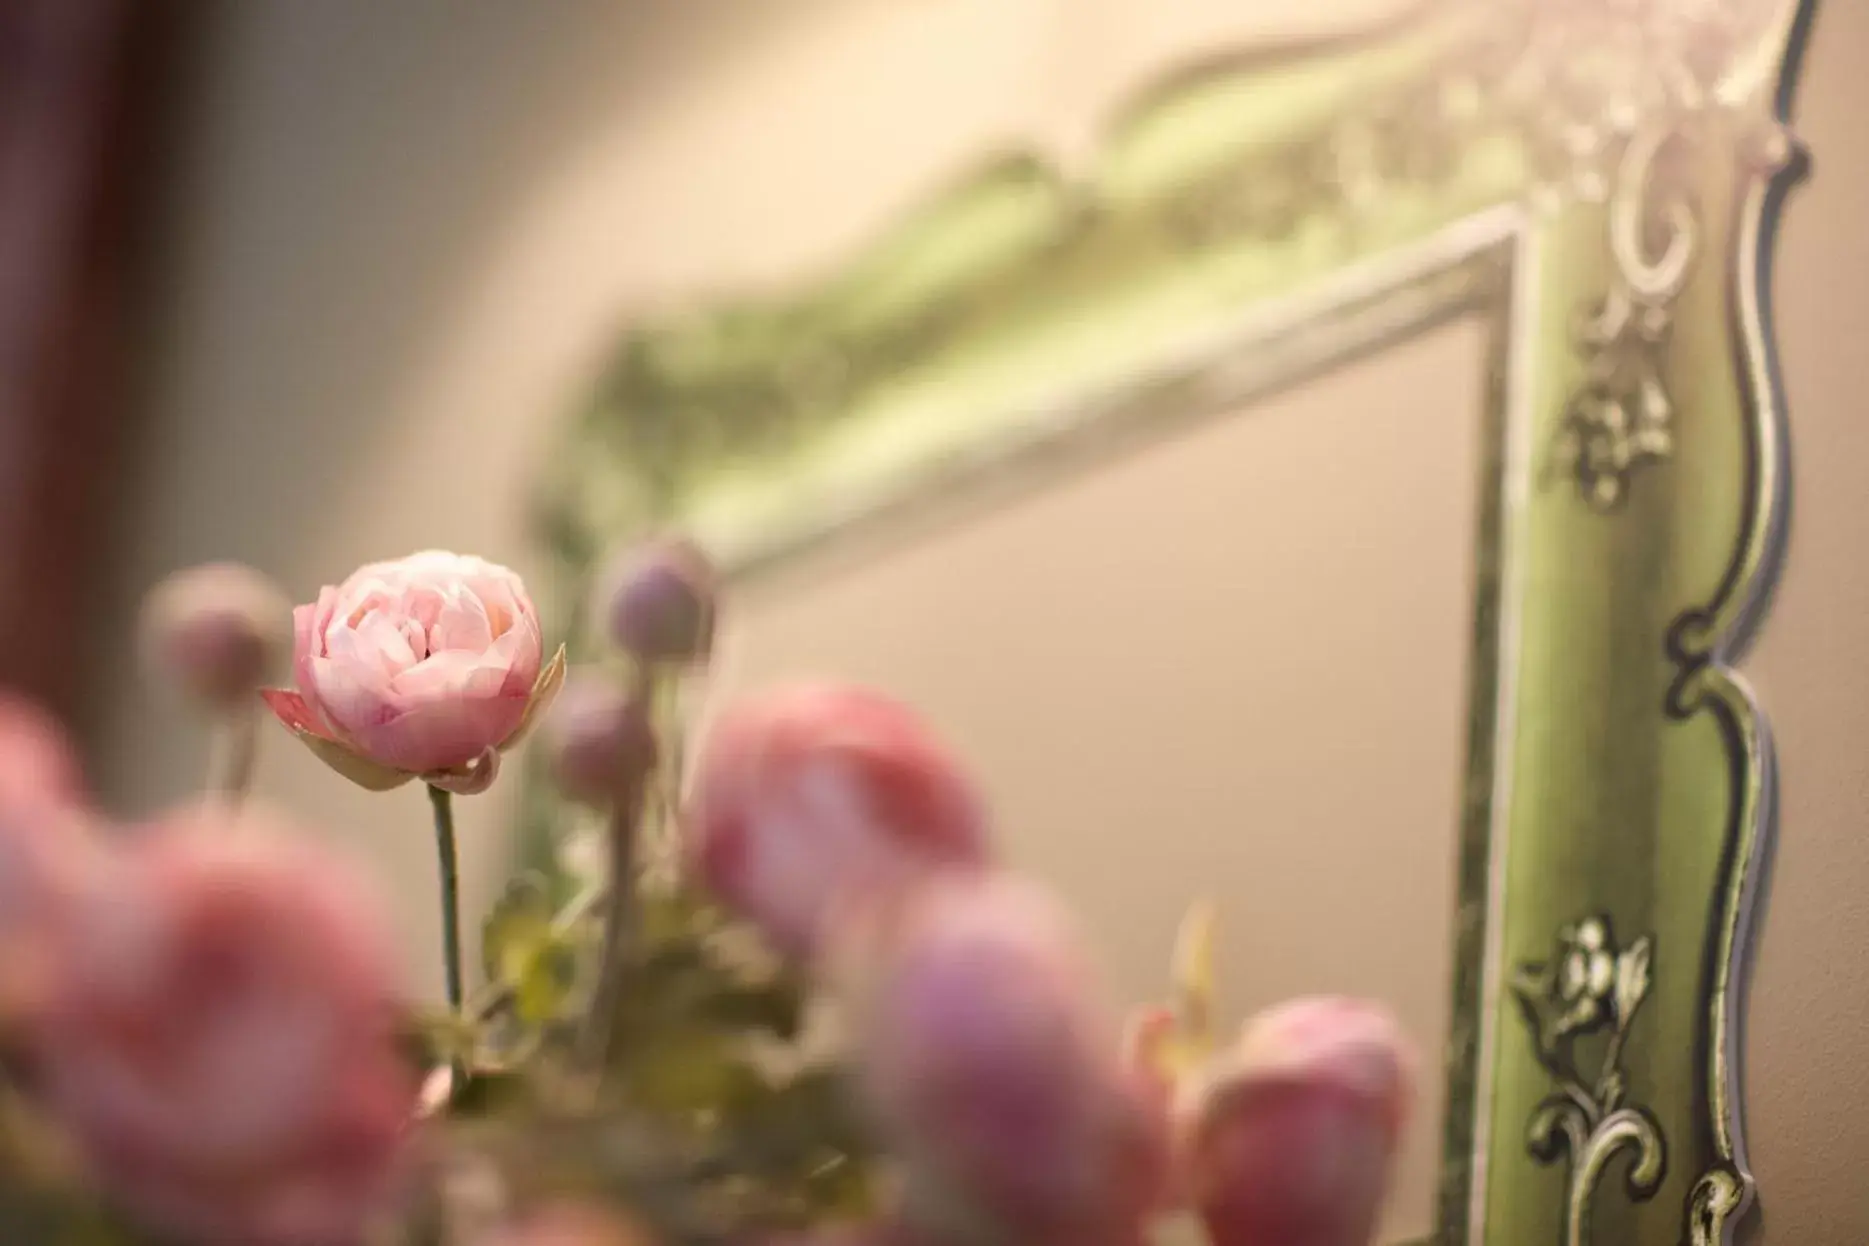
point(989, 1064)
point(599, 741)
point(662, 603)
point(804, 794)
point(1290, 1137)
point(220, 631)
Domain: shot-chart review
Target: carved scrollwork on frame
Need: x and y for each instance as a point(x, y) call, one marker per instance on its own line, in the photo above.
point(1717, 1196)
point(1633, 89)
point(1621, 417)
point(1591, 986)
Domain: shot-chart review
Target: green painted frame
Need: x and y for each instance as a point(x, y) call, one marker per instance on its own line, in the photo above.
point(1598, 179)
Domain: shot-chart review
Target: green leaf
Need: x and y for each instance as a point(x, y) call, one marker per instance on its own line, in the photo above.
point(678, 917)
point(432, 1036)
point(802, 1121)
point(519, 922)
point(544, 987)
point(489, 1091)
point(683, 1071)
point(679, 984)
point(777, 1008)
point(522, 948)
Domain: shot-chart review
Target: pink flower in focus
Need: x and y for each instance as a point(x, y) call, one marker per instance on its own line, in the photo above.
point(429, 666)
point(1289, 1139)
point(806, 793)
point(220, 1044)
point(991, 1067)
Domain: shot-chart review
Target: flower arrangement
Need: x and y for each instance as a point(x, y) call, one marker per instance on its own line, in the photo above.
point(203, 1041)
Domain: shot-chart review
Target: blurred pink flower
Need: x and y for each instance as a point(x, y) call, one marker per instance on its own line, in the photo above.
point(991, 1066)
point(220, 1044)
point(1289, 1139)
point(36, 760)
point(808, 792)
point(883, 1231)
point(426, 667)
point(47, 849)
point(1147, 1034)
point(574, 1224)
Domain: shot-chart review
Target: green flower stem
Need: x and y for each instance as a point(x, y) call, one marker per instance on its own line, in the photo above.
point(443, 803)
point(622, 915)
point(619, 932)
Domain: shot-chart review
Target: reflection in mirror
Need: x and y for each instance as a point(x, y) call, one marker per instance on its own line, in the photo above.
point(1230, 664)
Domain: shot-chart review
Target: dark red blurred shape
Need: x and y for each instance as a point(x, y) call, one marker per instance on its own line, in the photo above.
point(78, 88)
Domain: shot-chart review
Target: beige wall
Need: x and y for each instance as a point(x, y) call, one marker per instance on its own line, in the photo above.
point(1807, 1060)
point(403, 235)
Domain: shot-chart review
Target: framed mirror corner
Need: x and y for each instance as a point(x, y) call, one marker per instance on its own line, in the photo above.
point(1418, 388)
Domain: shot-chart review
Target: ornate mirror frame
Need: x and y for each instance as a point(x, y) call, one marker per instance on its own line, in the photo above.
point(1599, 180)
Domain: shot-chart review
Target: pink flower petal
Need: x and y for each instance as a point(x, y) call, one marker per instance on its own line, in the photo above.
point(1146, 1035)
point(442, 735)
point(448, 676)
point(380, 640)
point(360, 770)
point(353, 697)
point(519, 651)
point(539, 700)
point(424, 603)
point(469, 780)
point(308, 628)
point(503, 592)
point(294, 711)
point(462, 627)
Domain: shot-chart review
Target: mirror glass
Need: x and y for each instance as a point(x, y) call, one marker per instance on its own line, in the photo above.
point(1228, 663)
